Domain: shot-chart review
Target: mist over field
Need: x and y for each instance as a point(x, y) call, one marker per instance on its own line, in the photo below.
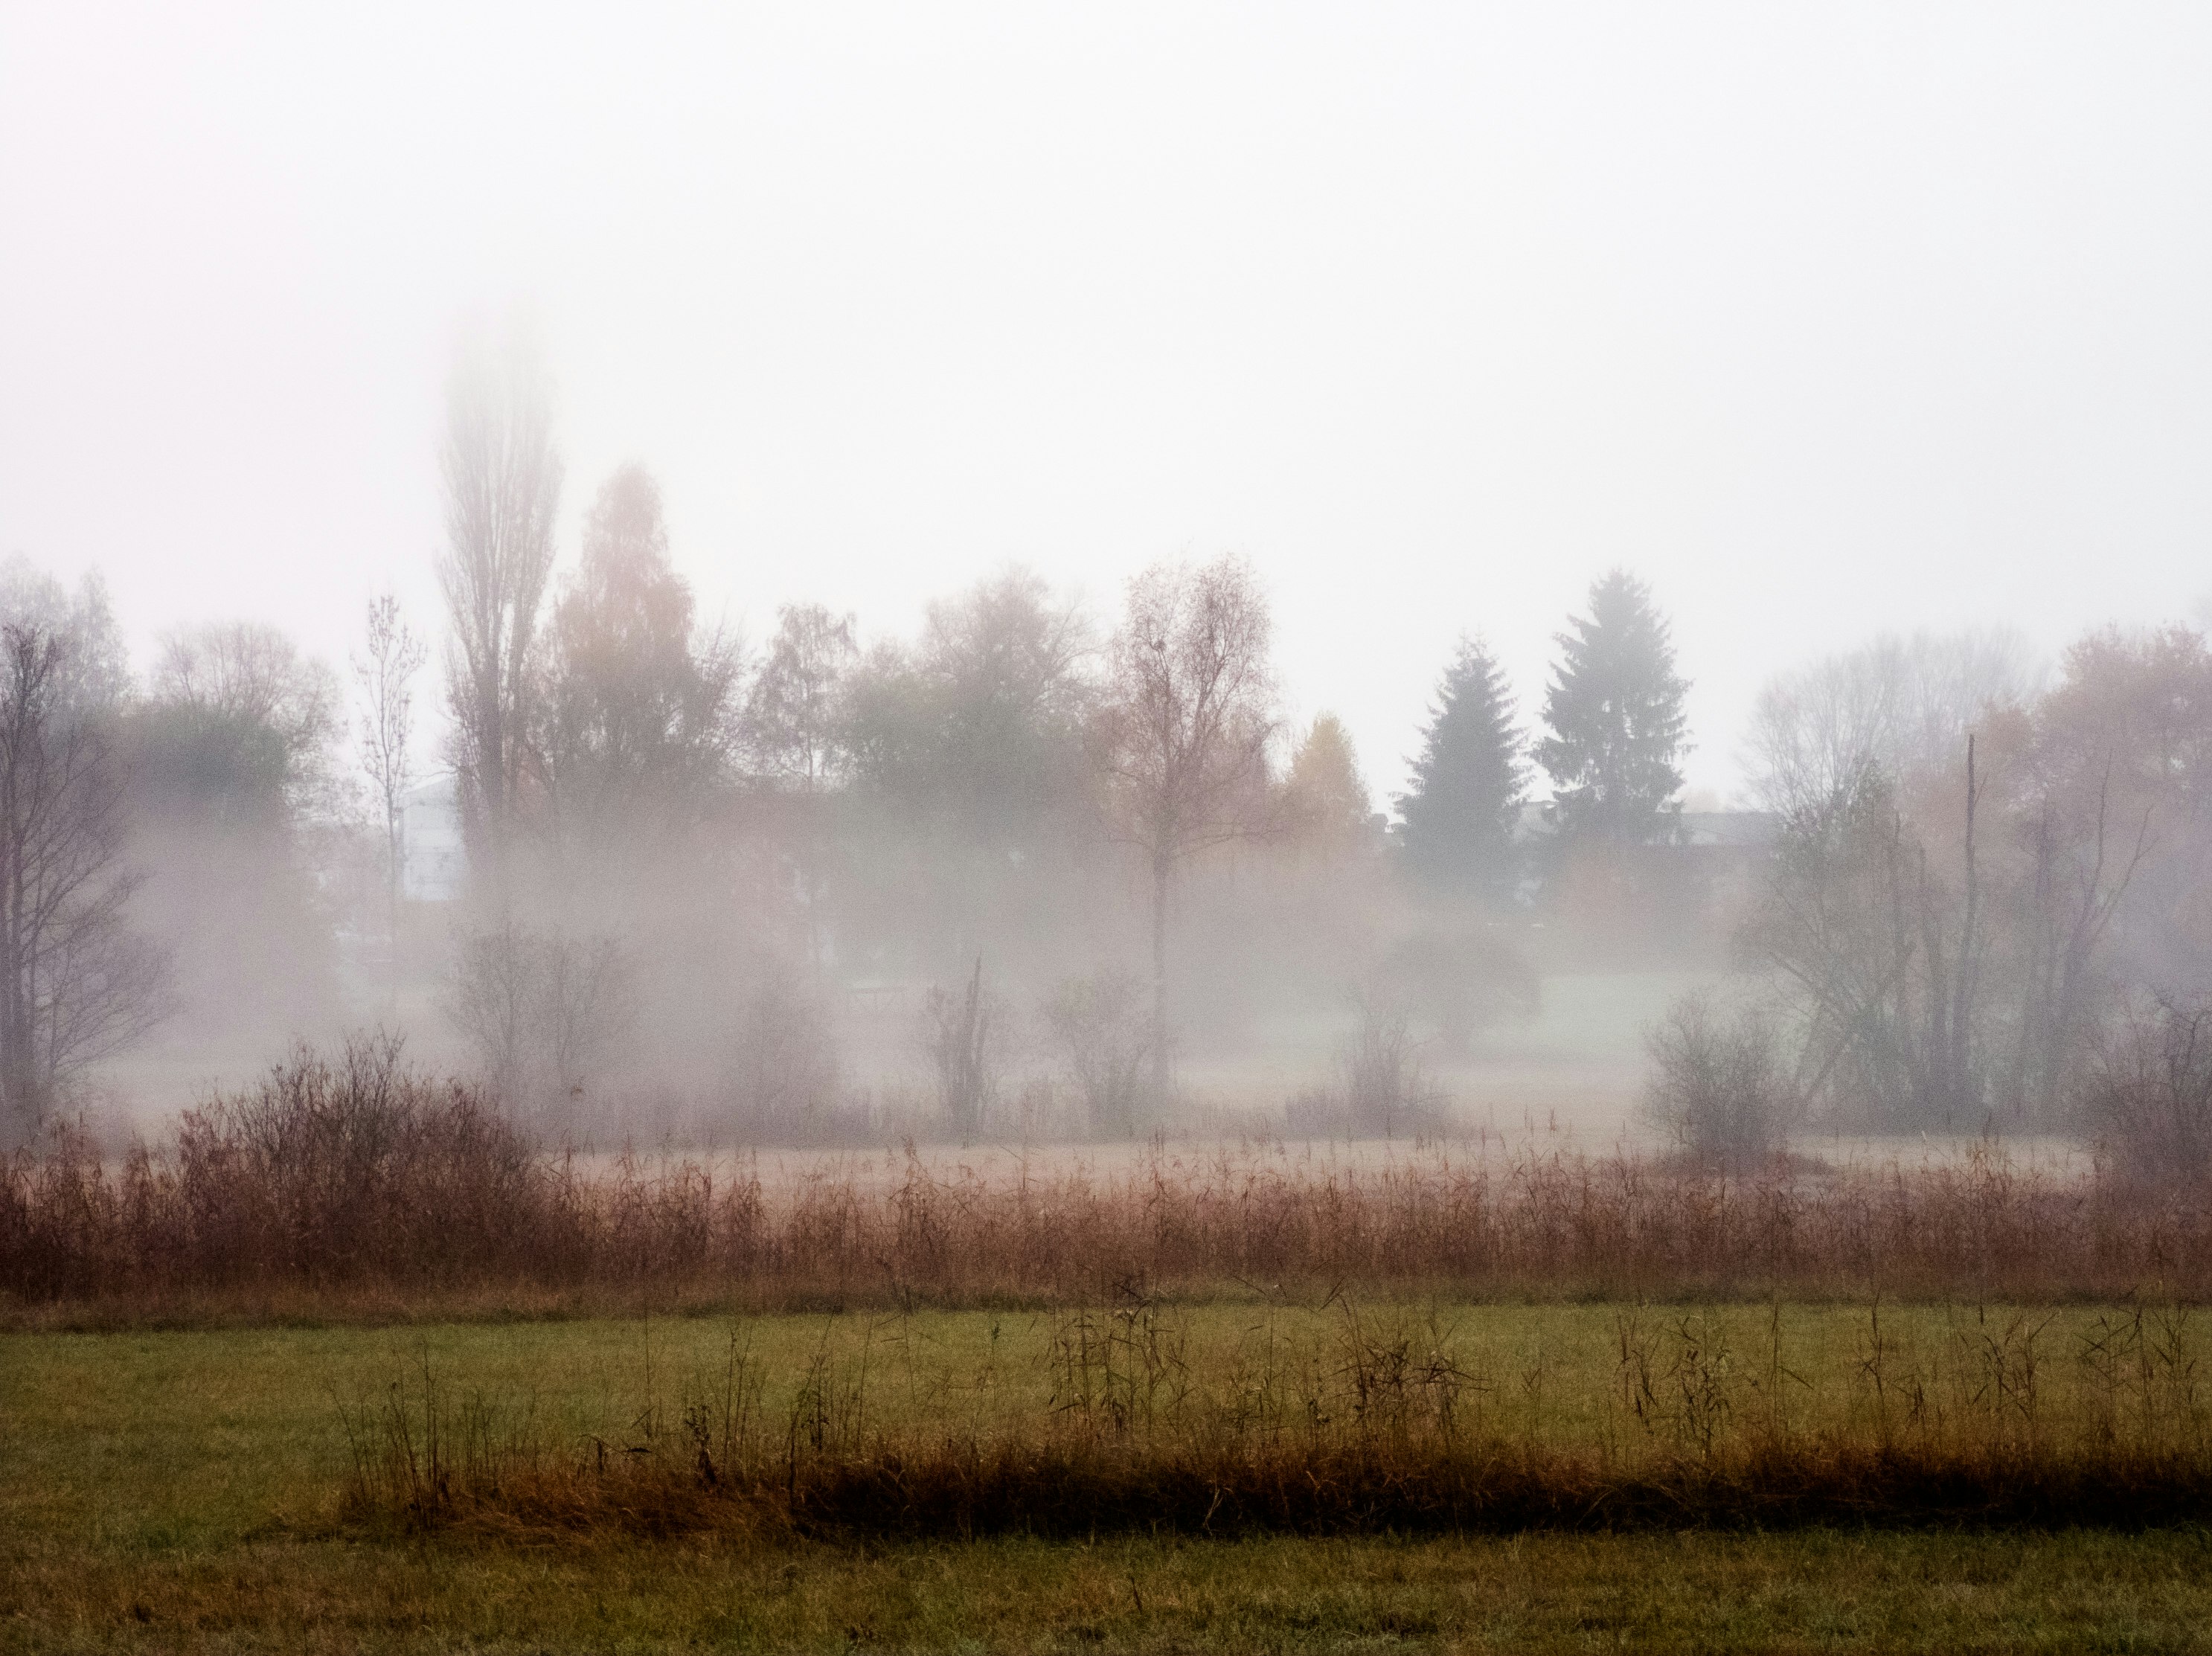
point(1206, 827)
point(770, 581)
point(1052, 871)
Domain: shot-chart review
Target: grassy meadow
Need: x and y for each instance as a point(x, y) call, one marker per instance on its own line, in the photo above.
point(230, 1488)
point(355, 1365)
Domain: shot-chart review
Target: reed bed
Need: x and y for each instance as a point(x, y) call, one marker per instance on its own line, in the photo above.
point(1122, 1416)
point(337, 1184)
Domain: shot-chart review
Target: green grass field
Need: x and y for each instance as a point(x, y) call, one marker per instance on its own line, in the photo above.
point(170, 1489)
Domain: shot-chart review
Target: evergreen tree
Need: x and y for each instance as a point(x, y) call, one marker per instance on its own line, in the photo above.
point(1456, 822)
point(1615, 710)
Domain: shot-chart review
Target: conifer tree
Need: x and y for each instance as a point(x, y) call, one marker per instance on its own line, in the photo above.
point(1457, 821)
point(1615, 711)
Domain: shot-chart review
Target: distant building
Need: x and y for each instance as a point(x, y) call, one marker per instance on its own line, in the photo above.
point(433, 861)
point(1750, 832)
point(1744, 835)
point(1711, 860)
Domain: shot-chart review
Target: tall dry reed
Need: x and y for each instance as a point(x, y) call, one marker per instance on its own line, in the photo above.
point(342, 1180)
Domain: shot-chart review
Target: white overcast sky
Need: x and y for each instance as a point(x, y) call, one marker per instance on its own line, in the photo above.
point(1824, 319)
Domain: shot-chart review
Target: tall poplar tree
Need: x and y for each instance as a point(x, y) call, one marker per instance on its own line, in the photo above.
point(502, 482)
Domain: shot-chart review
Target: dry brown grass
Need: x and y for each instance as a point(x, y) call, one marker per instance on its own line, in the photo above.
point(359, 1189)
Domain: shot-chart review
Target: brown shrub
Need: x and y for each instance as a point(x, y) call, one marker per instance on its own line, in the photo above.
point(336, 1183)
point(2149, 1094)
point(1718, 1086)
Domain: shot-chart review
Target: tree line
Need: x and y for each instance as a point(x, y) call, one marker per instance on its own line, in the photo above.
point(988, 792)
point(680, 843)
point(688, 850)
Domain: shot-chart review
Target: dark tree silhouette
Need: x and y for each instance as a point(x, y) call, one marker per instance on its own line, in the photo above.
point(235, 802)
point(1615, 711)
point(502, 483)
point(1455, 823)
point(75, 981)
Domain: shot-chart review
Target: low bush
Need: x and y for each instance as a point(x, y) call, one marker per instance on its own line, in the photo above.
point(782, 1076)
point(333, 1185)
point(1718, 1087)
point(2149, 1094)
point(1101, 1027)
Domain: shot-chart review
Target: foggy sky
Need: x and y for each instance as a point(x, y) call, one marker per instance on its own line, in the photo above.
point(1824, 321)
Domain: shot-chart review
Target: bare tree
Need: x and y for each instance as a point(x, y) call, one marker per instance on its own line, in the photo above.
point(2147, 1092)
point(1182, 739)
point(1955, 949)
point(493, 997)
point(2118, 759)
point(546, 1012)
point(247, 677)
point(963, 1033)
point(1099, 1024)
point(795, 716)
point(1881, 951)
point(782, 1065)
point(502, 482)
point(385, 671)
point(76, 983)
point(1900, 705)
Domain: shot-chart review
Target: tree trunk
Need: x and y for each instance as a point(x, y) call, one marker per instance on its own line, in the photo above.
point(16, 1073)
point(1960, 1077)
point(1160, 872)
point(394, 890)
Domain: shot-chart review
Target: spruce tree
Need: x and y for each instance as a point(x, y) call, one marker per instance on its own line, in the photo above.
point(1457, 821)
point(1615, 711)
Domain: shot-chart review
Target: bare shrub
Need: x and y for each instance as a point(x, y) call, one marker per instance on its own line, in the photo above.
point(545, 1012)
point(964, 1034)
point(1102, 1028)
point(1384, 1089)
point(2148, 1096)
point(77, 982)
point(1380, 1089)
point(359, 1168)
point(1718, 1087)
point(585, 1007)
point(783, 1076)
point(308, 1195)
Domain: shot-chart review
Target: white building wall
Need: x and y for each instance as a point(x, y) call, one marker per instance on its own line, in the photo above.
point(434, 863)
